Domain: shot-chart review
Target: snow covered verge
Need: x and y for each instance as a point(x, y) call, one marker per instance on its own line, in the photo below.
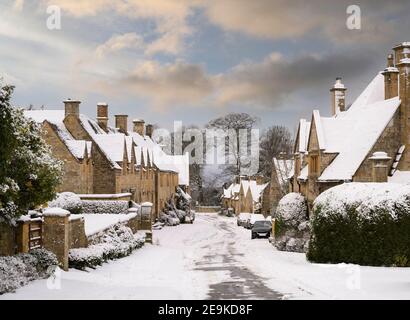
point(116, 242)
point(16, 271)
point(291, 224)
point(362, 223)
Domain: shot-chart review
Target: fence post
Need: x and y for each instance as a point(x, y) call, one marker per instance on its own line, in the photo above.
point(56, 234)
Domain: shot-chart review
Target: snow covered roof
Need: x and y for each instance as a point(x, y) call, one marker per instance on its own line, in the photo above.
point(303, 135)
point(113, 144)
point(400, 177)
point(251, 185)
point(352, 134)
point(78, 148)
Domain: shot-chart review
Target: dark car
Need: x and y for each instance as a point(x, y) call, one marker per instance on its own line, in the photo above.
point(261, 229)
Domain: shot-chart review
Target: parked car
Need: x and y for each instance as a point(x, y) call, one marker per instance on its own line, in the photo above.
point(230, 212)
point(261, 228)
point(253, 218)
point(242, 218)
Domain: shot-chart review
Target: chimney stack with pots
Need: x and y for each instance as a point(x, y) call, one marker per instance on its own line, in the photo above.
point(391, 79)
point(72, 107)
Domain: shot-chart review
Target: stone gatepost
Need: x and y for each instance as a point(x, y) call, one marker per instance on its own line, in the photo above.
point(146, 225)
point(380, 160)
point(56, 236)
point(23, 235)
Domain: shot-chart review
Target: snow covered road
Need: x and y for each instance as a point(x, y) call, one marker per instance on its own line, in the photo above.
point(213, 258)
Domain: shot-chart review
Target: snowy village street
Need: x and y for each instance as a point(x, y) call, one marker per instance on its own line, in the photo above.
point(215, 259)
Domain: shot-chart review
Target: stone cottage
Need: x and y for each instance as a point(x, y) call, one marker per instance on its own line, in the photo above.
point(245, 194)
point(368, 142)
point(99, 159)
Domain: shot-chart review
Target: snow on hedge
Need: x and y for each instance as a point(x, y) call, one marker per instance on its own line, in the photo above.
point(68, 201)
point(367, 199)
point(292, 208)
point(117, 242)
point(105, 207)
point(16, 271)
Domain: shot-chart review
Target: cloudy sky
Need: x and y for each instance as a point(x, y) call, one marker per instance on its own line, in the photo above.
point(165, 60)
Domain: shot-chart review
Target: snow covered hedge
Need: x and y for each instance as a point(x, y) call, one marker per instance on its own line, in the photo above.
point(117, 242)
point(291, 223)
point(102, 206)
point(67, 201)
point(362, 223)
point(17, 271)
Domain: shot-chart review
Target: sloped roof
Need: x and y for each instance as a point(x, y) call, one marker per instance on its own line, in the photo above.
point(78, 148)
point(112, 143)
point(303, 131)
point(353, 133)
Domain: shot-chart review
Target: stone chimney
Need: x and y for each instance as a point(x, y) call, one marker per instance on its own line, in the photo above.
point(380, 160)
point(402, 55)
point(338, 95)
point(149, 129)
point(102, 115)
point(391, 79)
point(72, 107)
point(121, 122)
point(139, 126)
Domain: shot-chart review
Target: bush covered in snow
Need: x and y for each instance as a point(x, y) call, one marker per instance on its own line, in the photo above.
point(67, 201)
point(105, 207)
point(362, 223)
point(28, 172)
point(17, 271)
point(291, 223)
point(117, 242)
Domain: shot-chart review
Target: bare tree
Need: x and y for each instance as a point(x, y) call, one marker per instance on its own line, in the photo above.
point(274, 141)
point(236, 122)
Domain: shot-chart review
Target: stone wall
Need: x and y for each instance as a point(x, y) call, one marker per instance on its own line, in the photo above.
point(387, 142)
point(7, 240)
point(77, 236)
point(77, 173)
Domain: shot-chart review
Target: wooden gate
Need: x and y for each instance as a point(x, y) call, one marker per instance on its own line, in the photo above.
point(35, 234)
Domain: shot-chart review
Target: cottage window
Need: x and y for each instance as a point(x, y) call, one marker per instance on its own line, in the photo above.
point(314, 164)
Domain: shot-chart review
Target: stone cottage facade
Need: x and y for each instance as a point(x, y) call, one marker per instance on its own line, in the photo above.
point(245, 194)
point(99, 159)
point(369, 142)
